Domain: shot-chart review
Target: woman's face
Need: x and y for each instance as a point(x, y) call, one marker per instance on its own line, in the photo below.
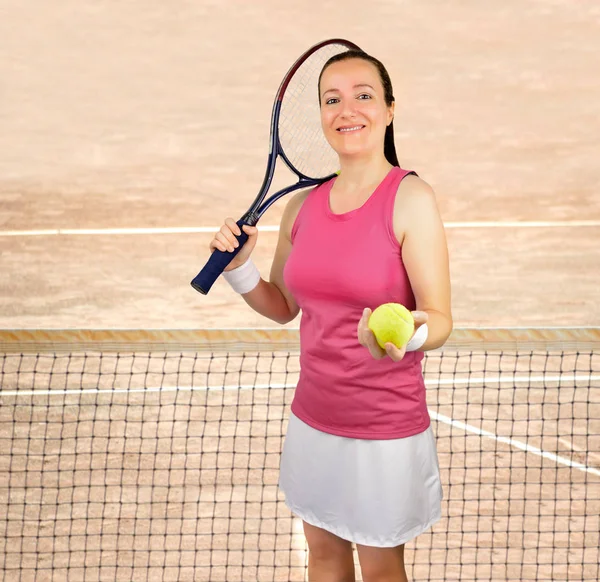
point(354, 115)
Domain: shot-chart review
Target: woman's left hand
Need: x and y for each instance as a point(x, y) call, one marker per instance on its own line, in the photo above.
point(367, 338)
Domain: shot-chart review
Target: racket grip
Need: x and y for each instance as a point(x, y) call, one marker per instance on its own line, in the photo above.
point(216, 264)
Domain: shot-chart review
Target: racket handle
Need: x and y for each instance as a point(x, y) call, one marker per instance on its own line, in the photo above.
point(216, 264)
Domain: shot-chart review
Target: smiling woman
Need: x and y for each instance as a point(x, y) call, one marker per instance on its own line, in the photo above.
point(380, 89)
point(359, 463)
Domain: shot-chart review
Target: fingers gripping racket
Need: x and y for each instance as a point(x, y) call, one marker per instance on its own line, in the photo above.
point(297, 138)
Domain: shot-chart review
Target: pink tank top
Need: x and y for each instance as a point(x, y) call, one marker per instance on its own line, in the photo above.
point(339, 264)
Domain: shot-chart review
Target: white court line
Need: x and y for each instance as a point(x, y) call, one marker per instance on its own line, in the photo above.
point(110, 231)
point(275, 228)
point(577, 449)
point(441, 382)
point(514, 443)
point(436, 416)
point(523, 224)
point(142, 390)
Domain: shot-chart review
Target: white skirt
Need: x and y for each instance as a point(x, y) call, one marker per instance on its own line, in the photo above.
point(380, 493)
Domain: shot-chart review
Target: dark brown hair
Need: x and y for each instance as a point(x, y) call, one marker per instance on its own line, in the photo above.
point(389, 147)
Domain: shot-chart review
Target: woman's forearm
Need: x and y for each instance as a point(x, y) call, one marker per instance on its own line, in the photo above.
point(439, 327)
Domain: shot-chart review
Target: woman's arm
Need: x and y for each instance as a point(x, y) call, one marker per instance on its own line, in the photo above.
point(271, 298)
point(420, 230)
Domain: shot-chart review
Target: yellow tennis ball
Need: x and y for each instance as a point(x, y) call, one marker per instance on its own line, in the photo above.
point(392, 322)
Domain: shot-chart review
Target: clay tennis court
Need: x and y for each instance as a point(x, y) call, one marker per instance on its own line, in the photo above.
point(141, 116)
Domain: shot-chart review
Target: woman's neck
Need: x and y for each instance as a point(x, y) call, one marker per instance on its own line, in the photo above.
point(360, 175)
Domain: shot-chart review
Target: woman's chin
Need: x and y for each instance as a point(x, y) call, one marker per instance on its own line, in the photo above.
point(352, 152)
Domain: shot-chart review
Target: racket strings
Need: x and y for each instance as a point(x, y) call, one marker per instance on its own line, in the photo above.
point(300, 132)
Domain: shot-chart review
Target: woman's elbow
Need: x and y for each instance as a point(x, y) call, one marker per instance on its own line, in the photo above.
point(287, 317)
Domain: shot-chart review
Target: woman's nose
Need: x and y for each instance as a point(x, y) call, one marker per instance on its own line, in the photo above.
point(349, 109)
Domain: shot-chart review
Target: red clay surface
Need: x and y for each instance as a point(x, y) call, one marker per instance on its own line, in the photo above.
point(138, 114)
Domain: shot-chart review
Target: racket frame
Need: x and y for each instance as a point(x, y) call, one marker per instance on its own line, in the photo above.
point(219, 259)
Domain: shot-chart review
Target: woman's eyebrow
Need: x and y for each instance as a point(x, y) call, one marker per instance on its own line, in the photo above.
point(355, 87)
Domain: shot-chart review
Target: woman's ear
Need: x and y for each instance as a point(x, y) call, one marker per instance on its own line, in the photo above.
point(391, 113)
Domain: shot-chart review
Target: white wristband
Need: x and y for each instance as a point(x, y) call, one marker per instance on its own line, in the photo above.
point(418, 339)
point(243, 278)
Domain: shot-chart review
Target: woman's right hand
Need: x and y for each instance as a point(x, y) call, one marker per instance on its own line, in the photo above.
point(225, 240)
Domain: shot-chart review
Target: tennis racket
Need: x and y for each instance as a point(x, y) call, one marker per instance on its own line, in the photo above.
point(296, 138)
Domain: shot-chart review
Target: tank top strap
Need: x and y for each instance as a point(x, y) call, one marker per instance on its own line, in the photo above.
point(388, 197)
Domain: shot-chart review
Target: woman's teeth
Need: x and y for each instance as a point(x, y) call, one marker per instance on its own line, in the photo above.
point(350, 128)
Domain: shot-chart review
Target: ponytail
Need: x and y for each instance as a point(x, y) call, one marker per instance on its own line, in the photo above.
point(389, 147)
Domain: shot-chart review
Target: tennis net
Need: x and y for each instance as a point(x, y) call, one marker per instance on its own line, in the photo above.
point(153, 455)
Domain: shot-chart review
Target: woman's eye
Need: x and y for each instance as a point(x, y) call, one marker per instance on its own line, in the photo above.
point(364, 96)
point(332, 100)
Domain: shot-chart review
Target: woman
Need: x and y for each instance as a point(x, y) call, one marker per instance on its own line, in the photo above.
point(359, 463)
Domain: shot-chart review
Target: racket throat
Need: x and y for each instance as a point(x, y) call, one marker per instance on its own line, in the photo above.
point(250, 218)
